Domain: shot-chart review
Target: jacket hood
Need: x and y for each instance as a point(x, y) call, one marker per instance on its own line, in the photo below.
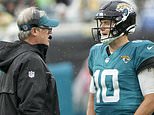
point(9, 51)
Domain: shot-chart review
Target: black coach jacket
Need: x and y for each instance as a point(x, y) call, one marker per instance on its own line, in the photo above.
point(26, 85)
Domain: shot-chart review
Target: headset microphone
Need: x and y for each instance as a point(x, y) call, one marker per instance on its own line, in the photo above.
point(50, 37)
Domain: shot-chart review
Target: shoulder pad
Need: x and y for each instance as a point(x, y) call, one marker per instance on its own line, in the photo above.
point(141, 42)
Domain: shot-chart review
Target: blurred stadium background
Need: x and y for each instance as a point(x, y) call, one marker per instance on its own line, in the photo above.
point(71, 42)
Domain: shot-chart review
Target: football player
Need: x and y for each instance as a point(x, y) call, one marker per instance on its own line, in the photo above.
point(122, 71)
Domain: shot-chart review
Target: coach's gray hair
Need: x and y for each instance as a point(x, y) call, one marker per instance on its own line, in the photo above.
point(24, 17)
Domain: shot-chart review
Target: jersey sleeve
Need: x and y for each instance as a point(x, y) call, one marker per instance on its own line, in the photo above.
point(92, 88)
point(146, 85)
point(93, 56)
point(90, 66)
point(144, 56)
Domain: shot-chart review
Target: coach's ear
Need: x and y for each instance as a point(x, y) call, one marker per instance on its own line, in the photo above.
point(35, 31)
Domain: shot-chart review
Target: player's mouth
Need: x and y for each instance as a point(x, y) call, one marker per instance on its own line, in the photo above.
point(104, 34)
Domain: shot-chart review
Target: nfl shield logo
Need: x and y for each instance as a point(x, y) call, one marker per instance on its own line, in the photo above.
point(31, 74)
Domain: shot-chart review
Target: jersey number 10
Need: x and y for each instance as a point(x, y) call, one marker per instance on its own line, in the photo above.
point(102, 87)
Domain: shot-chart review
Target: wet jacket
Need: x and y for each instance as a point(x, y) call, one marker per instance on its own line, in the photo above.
point(26, 85)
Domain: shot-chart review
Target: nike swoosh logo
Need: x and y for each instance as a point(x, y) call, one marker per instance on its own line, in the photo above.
point(149, 47)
